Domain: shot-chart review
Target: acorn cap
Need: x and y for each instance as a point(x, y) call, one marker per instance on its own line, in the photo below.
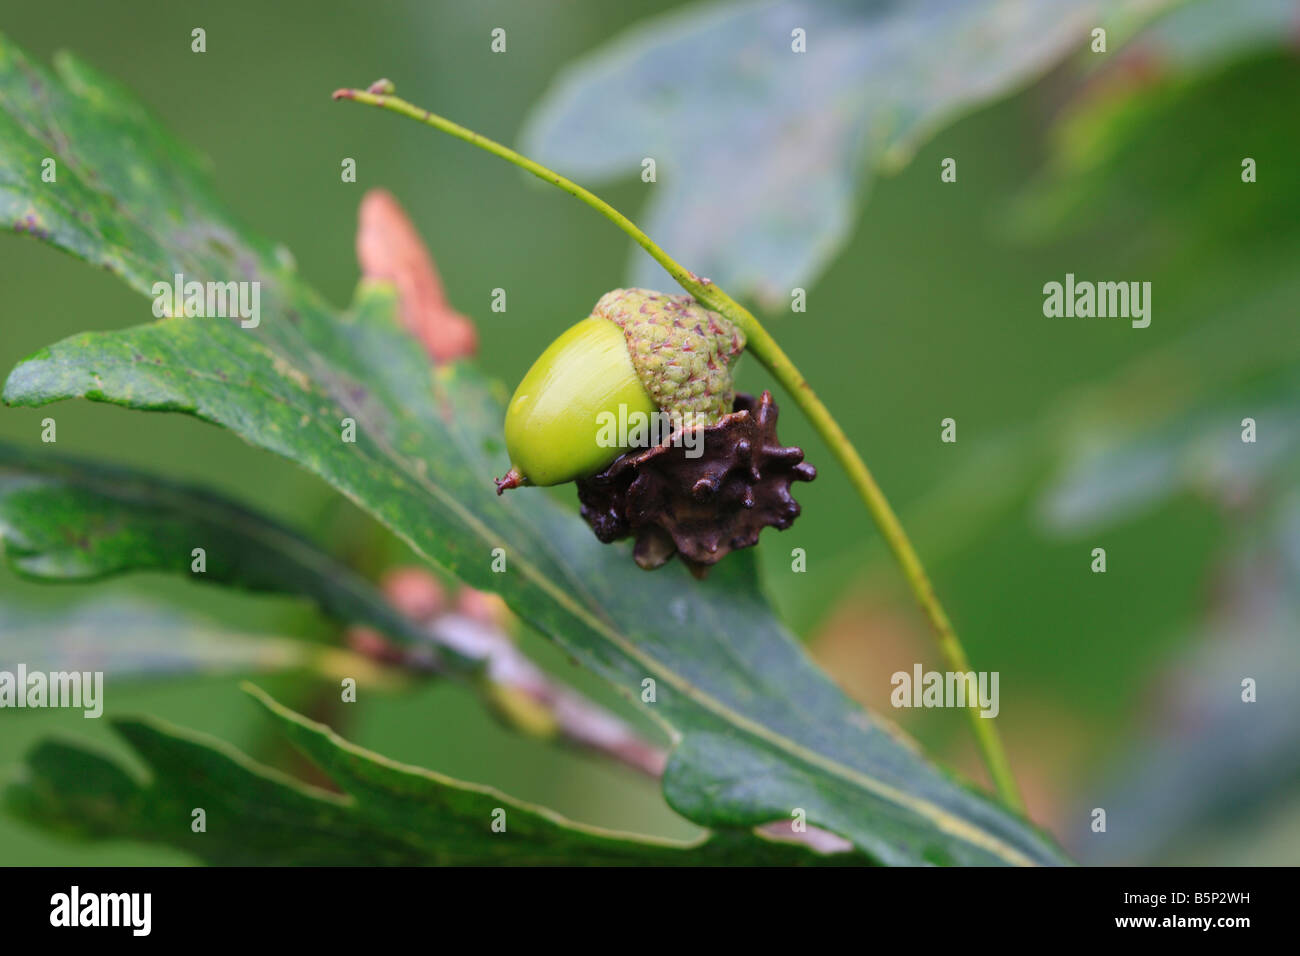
point(681, 351)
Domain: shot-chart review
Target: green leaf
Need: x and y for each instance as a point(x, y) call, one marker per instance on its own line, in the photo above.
point(762, 153)
point(761, 733)
point(70, 519)
point(387, 813)
point(63, 519)
point(132, 639)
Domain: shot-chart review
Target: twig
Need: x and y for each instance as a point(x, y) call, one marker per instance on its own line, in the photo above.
point(535, 702)
point(521, 693)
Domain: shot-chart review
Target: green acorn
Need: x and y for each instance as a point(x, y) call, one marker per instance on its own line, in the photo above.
point(639, 352)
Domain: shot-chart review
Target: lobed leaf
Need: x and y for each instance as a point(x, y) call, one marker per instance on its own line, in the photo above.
point(384, 813)
point(760, 732)
point(70, 519)
point(763, 154)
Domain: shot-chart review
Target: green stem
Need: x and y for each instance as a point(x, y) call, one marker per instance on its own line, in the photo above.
point(766, 350)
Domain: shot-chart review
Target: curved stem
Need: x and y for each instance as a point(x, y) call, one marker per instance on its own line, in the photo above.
point(767, 351)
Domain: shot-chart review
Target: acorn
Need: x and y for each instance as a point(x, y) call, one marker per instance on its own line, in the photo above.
point(638, 353)
point(709, 486)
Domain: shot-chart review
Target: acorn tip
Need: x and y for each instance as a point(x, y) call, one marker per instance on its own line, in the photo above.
point(513, 479)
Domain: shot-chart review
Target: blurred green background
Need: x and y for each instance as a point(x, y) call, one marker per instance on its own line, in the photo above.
point(932, 309)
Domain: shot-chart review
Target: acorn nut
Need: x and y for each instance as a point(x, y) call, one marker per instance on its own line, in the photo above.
point(638, 353)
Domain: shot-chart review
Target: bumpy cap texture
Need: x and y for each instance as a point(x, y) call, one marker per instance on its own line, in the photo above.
point(681, 350)
point(701, 508)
